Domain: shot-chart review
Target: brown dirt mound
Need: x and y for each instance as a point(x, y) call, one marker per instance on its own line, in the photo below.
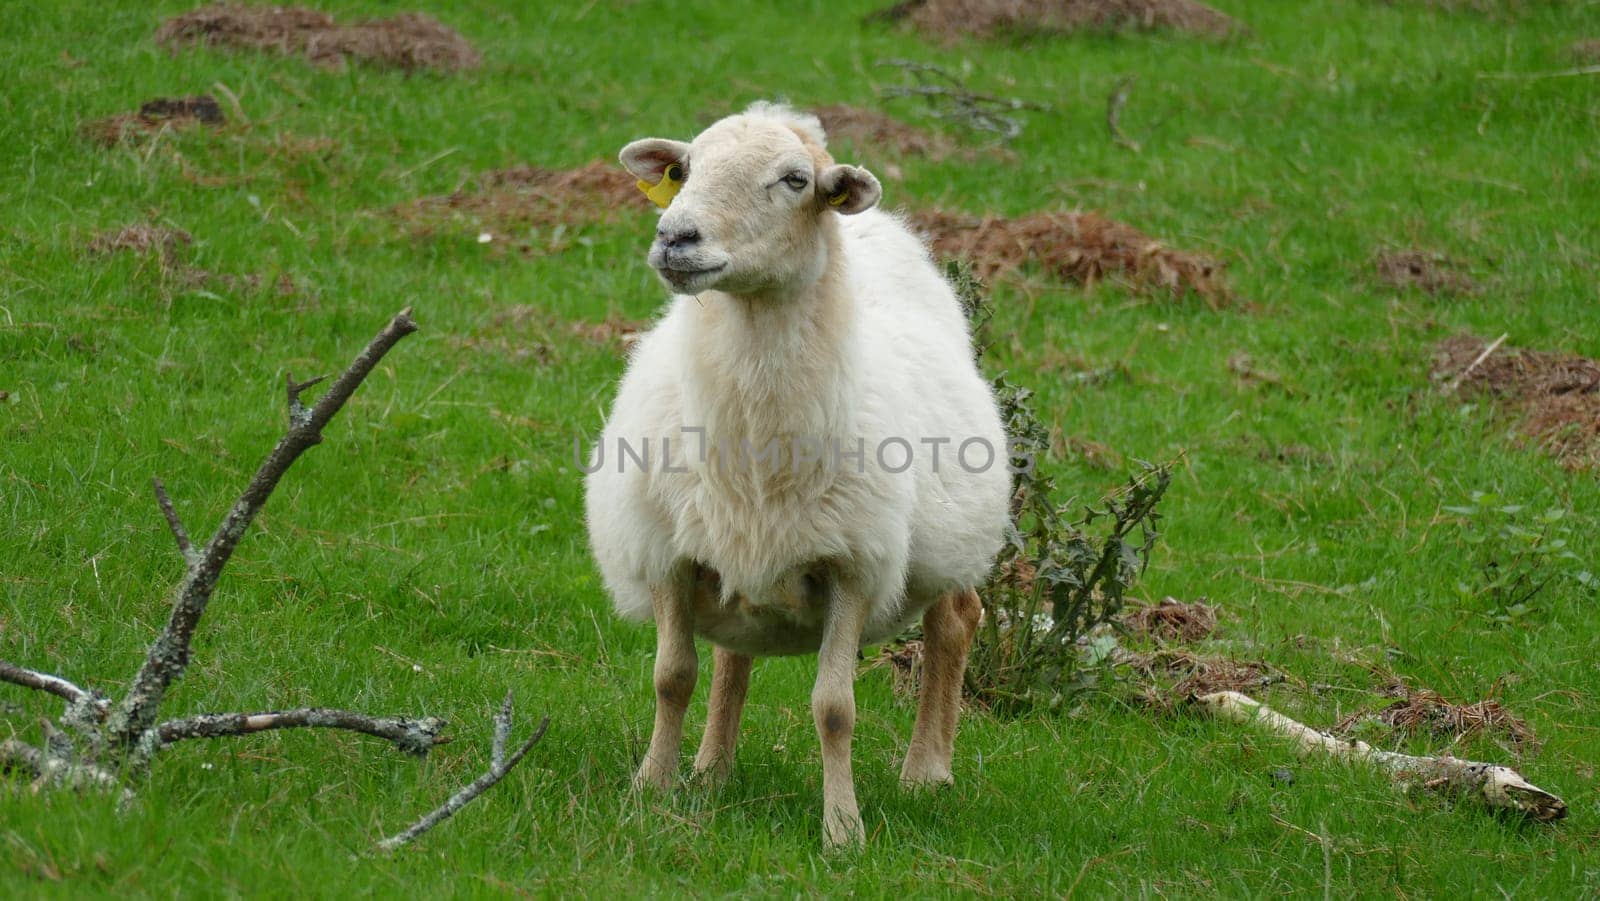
point(1427, 712)
point(1586, 51)
point(408, 41)
point(507, 201)
point(1172, 620)
point(952, 20)
point(871, 130)
point(1077, 247)
point(1557, 395)
point(1431, 272)
point(167, 245)
point(154, 115)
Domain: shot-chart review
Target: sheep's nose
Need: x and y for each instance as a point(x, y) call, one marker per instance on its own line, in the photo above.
point(675, 238)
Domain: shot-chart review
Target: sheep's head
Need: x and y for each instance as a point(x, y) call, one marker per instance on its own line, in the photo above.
point(749, 216)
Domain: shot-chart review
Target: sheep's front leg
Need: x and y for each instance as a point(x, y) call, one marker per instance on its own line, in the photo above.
point(947, 630)
point(730, 680)
point(675, 673)
point(833, 706)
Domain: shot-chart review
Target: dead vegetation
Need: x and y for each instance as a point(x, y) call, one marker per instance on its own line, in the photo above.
point(1421, 712)
point(870, 130)
point(1169, 678)
point(1433, 273)
point(168, 246)
point(173, 113)
point(1172, 620)
point(526, 332)
point(505, 203)
point(408, 41)
point(952, 20)
point(1586, 51)
point(1556, 396)
point(1080, 247)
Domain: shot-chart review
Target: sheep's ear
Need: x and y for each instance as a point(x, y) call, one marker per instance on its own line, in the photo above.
point(648, 159)
point(848, 189)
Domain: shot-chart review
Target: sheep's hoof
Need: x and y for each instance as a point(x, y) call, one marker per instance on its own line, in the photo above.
point(653, 778)
point(714, 772)
point(921, 775)
point(842, 829)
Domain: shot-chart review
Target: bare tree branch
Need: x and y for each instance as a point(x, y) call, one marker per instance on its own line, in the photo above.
point(947, 97)
point(500, 764)
point(173, 522)
point(67, 691)
point(56, 771)
point(133, 717)
point(411, 735)
point(1498, 787)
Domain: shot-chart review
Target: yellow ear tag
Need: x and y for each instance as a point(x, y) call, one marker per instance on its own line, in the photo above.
point(839, 198)
point(663, 191)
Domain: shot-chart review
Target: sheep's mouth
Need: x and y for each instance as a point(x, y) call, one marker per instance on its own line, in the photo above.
point(679, 276)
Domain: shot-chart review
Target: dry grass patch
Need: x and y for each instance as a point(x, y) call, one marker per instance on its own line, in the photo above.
point(952, 20)
point(1424, 712)
point(526, 332)
point(408, 41)
point(1586, 51)
point(174, 113)
point(1433, 273)
point(1084, 248)
point(1557, 396)
point(168, 245)
point(870, 130)
point(506, 202)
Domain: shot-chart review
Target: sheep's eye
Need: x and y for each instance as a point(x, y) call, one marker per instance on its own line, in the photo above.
point(796, 181)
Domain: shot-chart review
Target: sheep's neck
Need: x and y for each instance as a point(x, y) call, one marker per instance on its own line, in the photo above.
point(777, 365)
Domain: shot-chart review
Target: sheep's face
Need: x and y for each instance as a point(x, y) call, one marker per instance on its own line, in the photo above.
point(748, 217)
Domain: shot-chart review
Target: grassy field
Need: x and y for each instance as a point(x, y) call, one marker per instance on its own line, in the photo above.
point(430, 554)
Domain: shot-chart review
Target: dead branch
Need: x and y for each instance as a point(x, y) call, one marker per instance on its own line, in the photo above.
point(1498, 787)
point(173, 522)
point(56, 771)
point(499, 765)
point(409, 734)
point(1114, 105)
point(67, 691)
point(133, 717)
point(948, 98)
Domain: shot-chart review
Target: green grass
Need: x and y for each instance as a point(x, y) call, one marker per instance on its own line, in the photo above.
point(430, 554)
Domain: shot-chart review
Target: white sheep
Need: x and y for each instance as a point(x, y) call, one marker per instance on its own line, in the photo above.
point(802, 456)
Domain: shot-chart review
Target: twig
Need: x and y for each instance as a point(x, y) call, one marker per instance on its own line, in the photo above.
point(1462, 375)
point(173, 522)
point(133, 717)
point(61, 688)
point(499, 765)
point(1534, 76)
point(1114, 105)
point(1498, 787)
point(411, 735)
point(950, 99)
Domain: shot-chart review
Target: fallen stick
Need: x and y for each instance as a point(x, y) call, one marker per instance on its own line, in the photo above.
point(1498, 787)
point(1462, 375)
point(132, 718)
point(415, 736)
point(499, 765)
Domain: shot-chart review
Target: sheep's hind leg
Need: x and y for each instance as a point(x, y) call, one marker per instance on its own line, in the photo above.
point(730, 680)
point(833, 706)
point(675, 672)
point(947, 630)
